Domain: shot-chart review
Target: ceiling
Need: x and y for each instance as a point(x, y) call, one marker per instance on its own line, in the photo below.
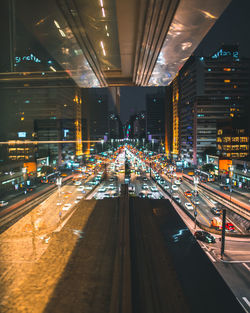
point(102, 43)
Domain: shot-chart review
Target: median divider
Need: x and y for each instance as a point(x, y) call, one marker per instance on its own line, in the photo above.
point(121, 298)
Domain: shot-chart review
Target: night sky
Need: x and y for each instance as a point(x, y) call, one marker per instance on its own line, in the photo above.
point(232, 27)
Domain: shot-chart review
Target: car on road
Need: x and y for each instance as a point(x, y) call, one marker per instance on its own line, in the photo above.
point(3, 203)
point(224, 187)
point(153, 189)
point(176, 198)
point(142, 195)
point(229, 227)
point(204, 236)
point(145, 187)
point(174, 187)
point(66, 206)
point(166, 186)
point(103, 189)
point(177, 182)
point(188, 193)
point(80, 188)
point(195, 201)
point(189, 206)
point(215, 210)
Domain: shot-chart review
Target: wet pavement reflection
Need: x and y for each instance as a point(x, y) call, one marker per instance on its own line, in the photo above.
point(35, 250)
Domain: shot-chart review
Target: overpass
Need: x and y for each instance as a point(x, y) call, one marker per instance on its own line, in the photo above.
point(102, 43)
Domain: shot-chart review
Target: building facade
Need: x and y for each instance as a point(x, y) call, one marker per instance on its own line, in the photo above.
point(210, 89)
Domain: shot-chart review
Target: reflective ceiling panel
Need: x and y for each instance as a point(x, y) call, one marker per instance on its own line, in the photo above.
point(192, 20)
point(46, 22)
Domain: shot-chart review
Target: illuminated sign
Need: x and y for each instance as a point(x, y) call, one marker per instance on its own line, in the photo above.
point(29, 58)
point(222, 53)
point(21, 134)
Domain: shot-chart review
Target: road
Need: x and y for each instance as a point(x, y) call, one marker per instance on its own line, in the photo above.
point(48, 234)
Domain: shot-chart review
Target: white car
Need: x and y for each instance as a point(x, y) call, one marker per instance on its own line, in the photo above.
point(154, 189)
point(174, 187)
point(166, 186)
point(79, 197)
point(77, 183)
point(66, 206)
point(189, 206)
point(80, 188)
point(102, 189)
point(177, 182)
point(3, 203)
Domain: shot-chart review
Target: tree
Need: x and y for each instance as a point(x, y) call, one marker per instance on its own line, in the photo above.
point(209, 167)
point(47, 169)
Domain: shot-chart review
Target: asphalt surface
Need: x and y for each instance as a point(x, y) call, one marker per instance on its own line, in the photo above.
point(55, 260)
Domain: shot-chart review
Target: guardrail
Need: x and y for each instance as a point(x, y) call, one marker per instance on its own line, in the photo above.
point(202, 226)
point(31, 197)
point(238, 209)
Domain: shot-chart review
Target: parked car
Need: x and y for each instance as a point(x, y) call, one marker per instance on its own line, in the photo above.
point(204, 236)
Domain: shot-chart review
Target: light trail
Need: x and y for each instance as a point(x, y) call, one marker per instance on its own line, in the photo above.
point(36, 142)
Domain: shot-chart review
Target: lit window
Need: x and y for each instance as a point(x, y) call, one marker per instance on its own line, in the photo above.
point(227, 80)
point(22, 118)
point(227, 69)
point(219, 132)
point(235, 86)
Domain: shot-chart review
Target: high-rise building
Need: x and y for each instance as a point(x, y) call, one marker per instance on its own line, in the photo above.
point(233, 138)
point(96, 111)
point(28, 108)
point(155, 117)
point(210, 88)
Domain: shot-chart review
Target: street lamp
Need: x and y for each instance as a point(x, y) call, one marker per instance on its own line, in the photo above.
point(230, 176)
point(196, 182)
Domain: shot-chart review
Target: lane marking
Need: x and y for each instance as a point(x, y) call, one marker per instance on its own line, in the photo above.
point(246, 266)
point(246, 300)
point(242, 305)
point(210, 256)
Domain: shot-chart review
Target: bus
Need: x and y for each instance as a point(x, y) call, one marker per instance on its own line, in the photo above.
point(204, 177)
point(50, 178)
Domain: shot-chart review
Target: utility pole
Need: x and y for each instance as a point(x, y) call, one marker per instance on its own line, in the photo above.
point(223, 233)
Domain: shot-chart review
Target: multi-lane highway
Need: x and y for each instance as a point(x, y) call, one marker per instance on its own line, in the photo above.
point(35, 224)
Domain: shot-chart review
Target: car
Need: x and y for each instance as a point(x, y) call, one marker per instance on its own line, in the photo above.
point(195, 201)
point(178, 199)
point(80, 188)
point(150, 195)
point(3, 203)
point(229, 227)
point(224, 187)
point(166, 186)
point(204, 236)
point(177, 182)
point(145, 187)
point(77, 183)
point(174, 187)
point(142, 195)
point(188, 193)
point(66, 206)
point(215, 210)
point(79, 197)
point(153, 189)
point(103, 189)
point(189, 206)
